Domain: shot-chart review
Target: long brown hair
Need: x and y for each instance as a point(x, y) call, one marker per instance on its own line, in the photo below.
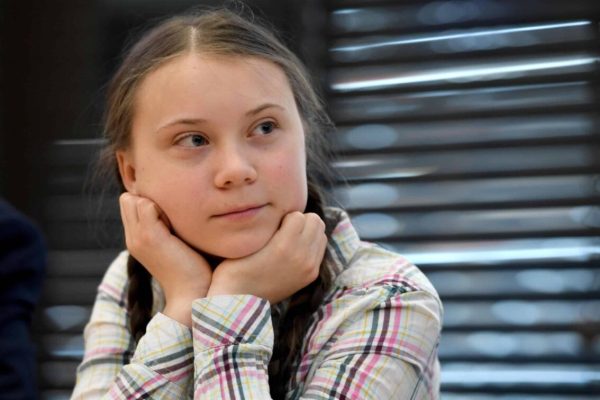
point(228, 33)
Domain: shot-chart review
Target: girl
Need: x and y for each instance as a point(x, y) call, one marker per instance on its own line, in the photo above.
point(238, 282)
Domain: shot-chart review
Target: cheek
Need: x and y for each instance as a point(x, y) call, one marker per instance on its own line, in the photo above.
point(175, 192)
point(289, 180)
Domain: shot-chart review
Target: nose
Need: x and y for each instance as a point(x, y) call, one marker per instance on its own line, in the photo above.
point(234, 167)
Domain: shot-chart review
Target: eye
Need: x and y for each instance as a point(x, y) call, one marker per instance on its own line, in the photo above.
point(265, 128)
point(192, 140)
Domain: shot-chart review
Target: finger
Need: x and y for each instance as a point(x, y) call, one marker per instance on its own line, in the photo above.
point(163, 217)
point(313, 240)
point(322, 246)
point(128, 210)
point(129, 217)
point(313, 227)
point(147, 211)
point(123, 214)
point(318, 237)
point(293, 224)
point(317, 242)
point(317, 254)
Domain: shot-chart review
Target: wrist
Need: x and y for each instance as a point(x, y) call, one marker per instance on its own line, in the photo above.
point(180, 309)
point(218, 290)
point(184, 295)
point(179, 313)
point(222, 283)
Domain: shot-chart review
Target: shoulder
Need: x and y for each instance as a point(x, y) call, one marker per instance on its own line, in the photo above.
point(115, 280)
point(357, 265)
point(374, 266)
point(386, 280)
point(368, 277)
point(380, 297)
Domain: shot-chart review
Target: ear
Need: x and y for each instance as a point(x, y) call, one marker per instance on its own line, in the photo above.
point(127, 170)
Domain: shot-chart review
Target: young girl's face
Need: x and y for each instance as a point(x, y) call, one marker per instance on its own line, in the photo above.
point(218, 144)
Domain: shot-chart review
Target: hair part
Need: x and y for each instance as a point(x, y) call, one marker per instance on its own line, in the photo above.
point(224, 32)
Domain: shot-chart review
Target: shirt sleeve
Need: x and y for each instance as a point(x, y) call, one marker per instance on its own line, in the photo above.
point(384, 352)
point(233, 342)
point(160, 367)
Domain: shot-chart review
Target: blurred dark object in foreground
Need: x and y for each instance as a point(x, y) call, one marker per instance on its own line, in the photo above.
point(22, 264)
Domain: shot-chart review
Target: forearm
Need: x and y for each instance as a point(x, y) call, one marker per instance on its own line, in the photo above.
point(161, 365)
point(233, 342)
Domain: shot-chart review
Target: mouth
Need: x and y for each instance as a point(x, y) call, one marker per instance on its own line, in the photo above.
point(241, 212)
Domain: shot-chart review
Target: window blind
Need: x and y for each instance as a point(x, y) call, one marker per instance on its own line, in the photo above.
point(468, 137)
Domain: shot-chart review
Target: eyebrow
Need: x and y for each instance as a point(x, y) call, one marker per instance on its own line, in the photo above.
point(262, 107)
point(194, 121)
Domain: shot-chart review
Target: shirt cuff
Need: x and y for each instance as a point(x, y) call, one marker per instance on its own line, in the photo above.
point(166, 348)
point(231, 319)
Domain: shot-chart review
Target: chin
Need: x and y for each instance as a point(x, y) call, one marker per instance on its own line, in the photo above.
point(240, 248)
point(236, 252)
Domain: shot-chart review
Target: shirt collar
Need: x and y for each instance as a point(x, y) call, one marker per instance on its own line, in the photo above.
point(342, 247)
point(343, 240)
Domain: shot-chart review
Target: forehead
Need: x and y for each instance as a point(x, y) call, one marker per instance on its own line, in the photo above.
point(197, 83)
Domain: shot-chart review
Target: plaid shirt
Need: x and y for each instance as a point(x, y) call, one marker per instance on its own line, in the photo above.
point(374, 337)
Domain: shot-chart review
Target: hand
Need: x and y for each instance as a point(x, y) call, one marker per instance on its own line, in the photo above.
point(287, 263)
point(183, 274)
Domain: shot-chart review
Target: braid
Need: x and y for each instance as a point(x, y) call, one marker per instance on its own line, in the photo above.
point(292, 327)
point(302, 305)
point(139, 298)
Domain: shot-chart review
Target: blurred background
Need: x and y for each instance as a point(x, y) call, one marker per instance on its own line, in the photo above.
point(468, 133)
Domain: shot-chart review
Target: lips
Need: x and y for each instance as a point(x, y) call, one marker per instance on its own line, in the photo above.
point(240, 210)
